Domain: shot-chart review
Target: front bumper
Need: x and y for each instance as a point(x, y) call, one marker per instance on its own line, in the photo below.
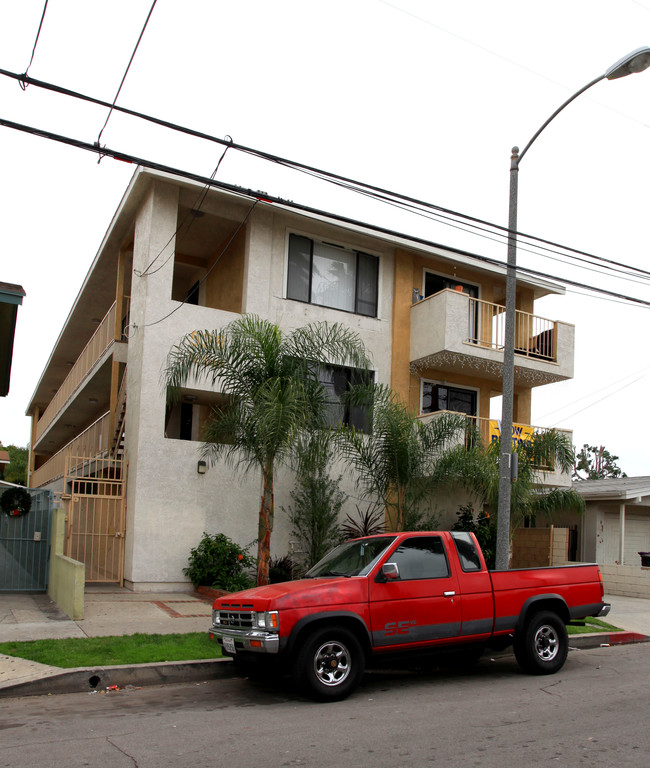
point(246, 640)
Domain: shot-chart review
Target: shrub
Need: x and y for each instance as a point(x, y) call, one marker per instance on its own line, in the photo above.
point(219, 562)
point(482, 527)
point(281, 569)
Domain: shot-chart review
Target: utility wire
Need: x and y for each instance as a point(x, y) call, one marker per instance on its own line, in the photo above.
point(343, 181)
point(38, 34)
point(205, 277)
point(125, 157)
point(126, 72)
point(196, 207)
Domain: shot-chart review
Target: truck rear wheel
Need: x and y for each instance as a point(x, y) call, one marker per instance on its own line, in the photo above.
point(329, 664)
point(542, 646)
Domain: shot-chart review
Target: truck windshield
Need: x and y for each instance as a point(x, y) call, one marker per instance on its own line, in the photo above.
point(353, 558)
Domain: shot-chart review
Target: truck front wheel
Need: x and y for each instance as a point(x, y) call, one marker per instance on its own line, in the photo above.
point(329, 664)
point(542, 646)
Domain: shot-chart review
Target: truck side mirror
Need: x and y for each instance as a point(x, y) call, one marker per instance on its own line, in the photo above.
point(390, 572)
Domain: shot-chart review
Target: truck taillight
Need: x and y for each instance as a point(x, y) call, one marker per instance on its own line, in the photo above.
point(602, 586)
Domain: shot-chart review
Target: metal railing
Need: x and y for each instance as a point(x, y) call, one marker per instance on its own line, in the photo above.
point(103, 337)
point(535, 336)
point(93, 441)
point(489, 430)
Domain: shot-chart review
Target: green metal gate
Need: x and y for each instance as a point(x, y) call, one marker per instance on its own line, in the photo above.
point(24, 546)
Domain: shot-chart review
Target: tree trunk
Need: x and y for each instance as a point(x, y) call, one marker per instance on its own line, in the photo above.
point(265, 526)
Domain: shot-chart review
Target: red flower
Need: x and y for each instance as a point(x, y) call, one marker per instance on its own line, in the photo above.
point(240, 557)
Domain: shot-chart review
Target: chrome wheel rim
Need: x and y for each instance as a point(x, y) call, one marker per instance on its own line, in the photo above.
point(332, 663)
point(547, 643)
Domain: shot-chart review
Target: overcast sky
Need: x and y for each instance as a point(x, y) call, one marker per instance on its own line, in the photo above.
point(425, 97)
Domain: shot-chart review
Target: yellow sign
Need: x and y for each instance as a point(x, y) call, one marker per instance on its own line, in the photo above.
point(521, 433)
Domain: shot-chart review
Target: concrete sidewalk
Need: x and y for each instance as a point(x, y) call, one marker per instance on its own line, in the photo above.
point(115, 611)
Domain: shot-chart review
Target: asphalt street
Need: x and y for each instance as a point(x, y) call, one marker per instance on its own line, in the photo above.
point(594, 712)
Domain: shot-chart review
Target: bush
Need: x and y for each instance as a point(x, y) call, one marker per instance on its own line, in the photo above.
point(483, 528)
point(220, 563)
point(281, 569)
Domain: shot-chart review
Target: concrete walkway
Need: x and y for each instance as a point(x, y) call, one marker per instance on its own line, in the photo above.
point(115, 611)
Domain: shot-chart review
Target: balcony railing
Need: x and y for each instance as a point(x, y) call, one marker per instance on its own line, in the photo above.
point(489, 431)
point(534, 336)
point(93, 441)
point(92, 352)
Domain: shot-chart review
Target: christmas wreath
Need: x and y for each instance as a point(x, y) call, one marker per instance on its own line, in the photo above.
point(16, 502)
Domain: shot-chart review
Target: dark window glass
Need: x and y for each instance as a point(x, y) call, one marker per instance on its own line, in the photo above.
point(469, 557)
point(367, 284)
point(325, 274)
point(186, 421)
point(337, 381)
point(193, 294)
point(438, 398)
point(422, 557)
point(298, 285)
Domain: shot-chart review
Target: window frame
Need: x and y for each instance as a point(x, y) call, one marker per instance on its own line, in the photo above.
point(359, 257)
point(439, 539)
point(474, 390)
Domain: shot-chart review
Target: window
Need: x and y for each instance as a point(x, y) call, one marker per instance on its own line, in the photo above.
point(337, 381)
point(422, 557)
point(467, 554)
point(332, 276)
point(437, 397)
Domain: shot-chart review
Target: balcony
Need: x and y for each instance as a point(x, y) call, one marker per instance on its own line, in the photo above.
point(489, 431)
point(451, 331)
point(90, 374)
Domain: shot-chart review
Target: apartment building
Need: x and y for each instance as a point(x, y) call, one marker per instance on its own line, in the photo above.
point(127, 464)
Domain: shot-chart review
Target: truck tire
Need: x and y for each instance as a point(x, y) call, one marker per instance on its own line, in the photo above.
point(329, 664)
point(542, 646)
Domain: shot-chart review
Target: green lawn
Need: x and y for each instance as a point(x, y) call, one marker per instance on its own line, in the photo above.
point(593, 625)
point(143, 649)
point(106, 651)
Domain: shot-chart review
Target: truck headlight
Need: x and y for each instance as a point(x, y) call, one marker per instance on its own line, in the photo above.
point(268, 620)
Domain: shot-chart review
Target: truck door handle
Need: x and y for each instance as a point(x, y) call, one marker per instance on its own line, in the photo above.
point(449, 594)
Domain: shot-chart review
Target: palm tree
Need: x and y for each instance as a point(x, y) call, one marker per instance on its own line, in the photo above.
point(395, 463)
point(272, 382)
point(477, 470)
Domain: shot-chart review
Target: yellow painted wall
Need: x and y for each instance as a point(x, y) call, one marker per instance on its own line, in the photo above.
point(67, 578)
point(409, 274)
point(224, 285)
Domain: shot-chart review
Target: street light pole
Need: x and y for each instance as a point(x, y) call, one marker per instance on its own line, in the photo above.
point(637, 61)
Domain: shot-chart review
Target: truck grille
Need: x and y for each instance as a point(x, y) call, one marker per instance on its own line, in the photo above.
point(236, 619)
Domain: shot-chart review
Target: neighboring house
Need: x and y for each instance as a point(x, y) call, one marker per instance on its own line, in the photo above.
point(4, 463)
point(103, 432)
point(11, 297)
point(616, 524)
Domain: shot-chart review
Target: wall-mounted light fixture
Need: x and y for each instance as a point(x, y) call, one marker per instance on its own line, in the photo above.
point(201, 467)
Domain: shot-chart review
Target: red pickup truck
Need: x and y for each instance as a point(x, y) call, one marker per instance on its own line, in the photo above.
point(405, 594)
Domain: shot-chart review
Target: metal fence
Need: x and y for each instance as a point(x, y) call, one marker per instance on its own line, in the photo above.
point(24, 546)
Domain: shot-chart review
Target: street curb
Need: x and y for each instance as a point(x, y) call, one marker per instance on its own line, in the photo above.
point(88, 679)
point(603, 640)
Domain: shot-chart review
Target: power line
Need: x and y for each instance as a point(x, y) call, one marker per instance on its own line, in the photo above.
point(126, 72)
point(38, 34)
point(125, 157)
point(343, 181)
point(205, 277)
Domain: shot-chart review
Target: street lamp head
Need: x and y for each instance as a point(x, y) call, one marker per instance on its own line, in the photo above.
point(636, 61)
